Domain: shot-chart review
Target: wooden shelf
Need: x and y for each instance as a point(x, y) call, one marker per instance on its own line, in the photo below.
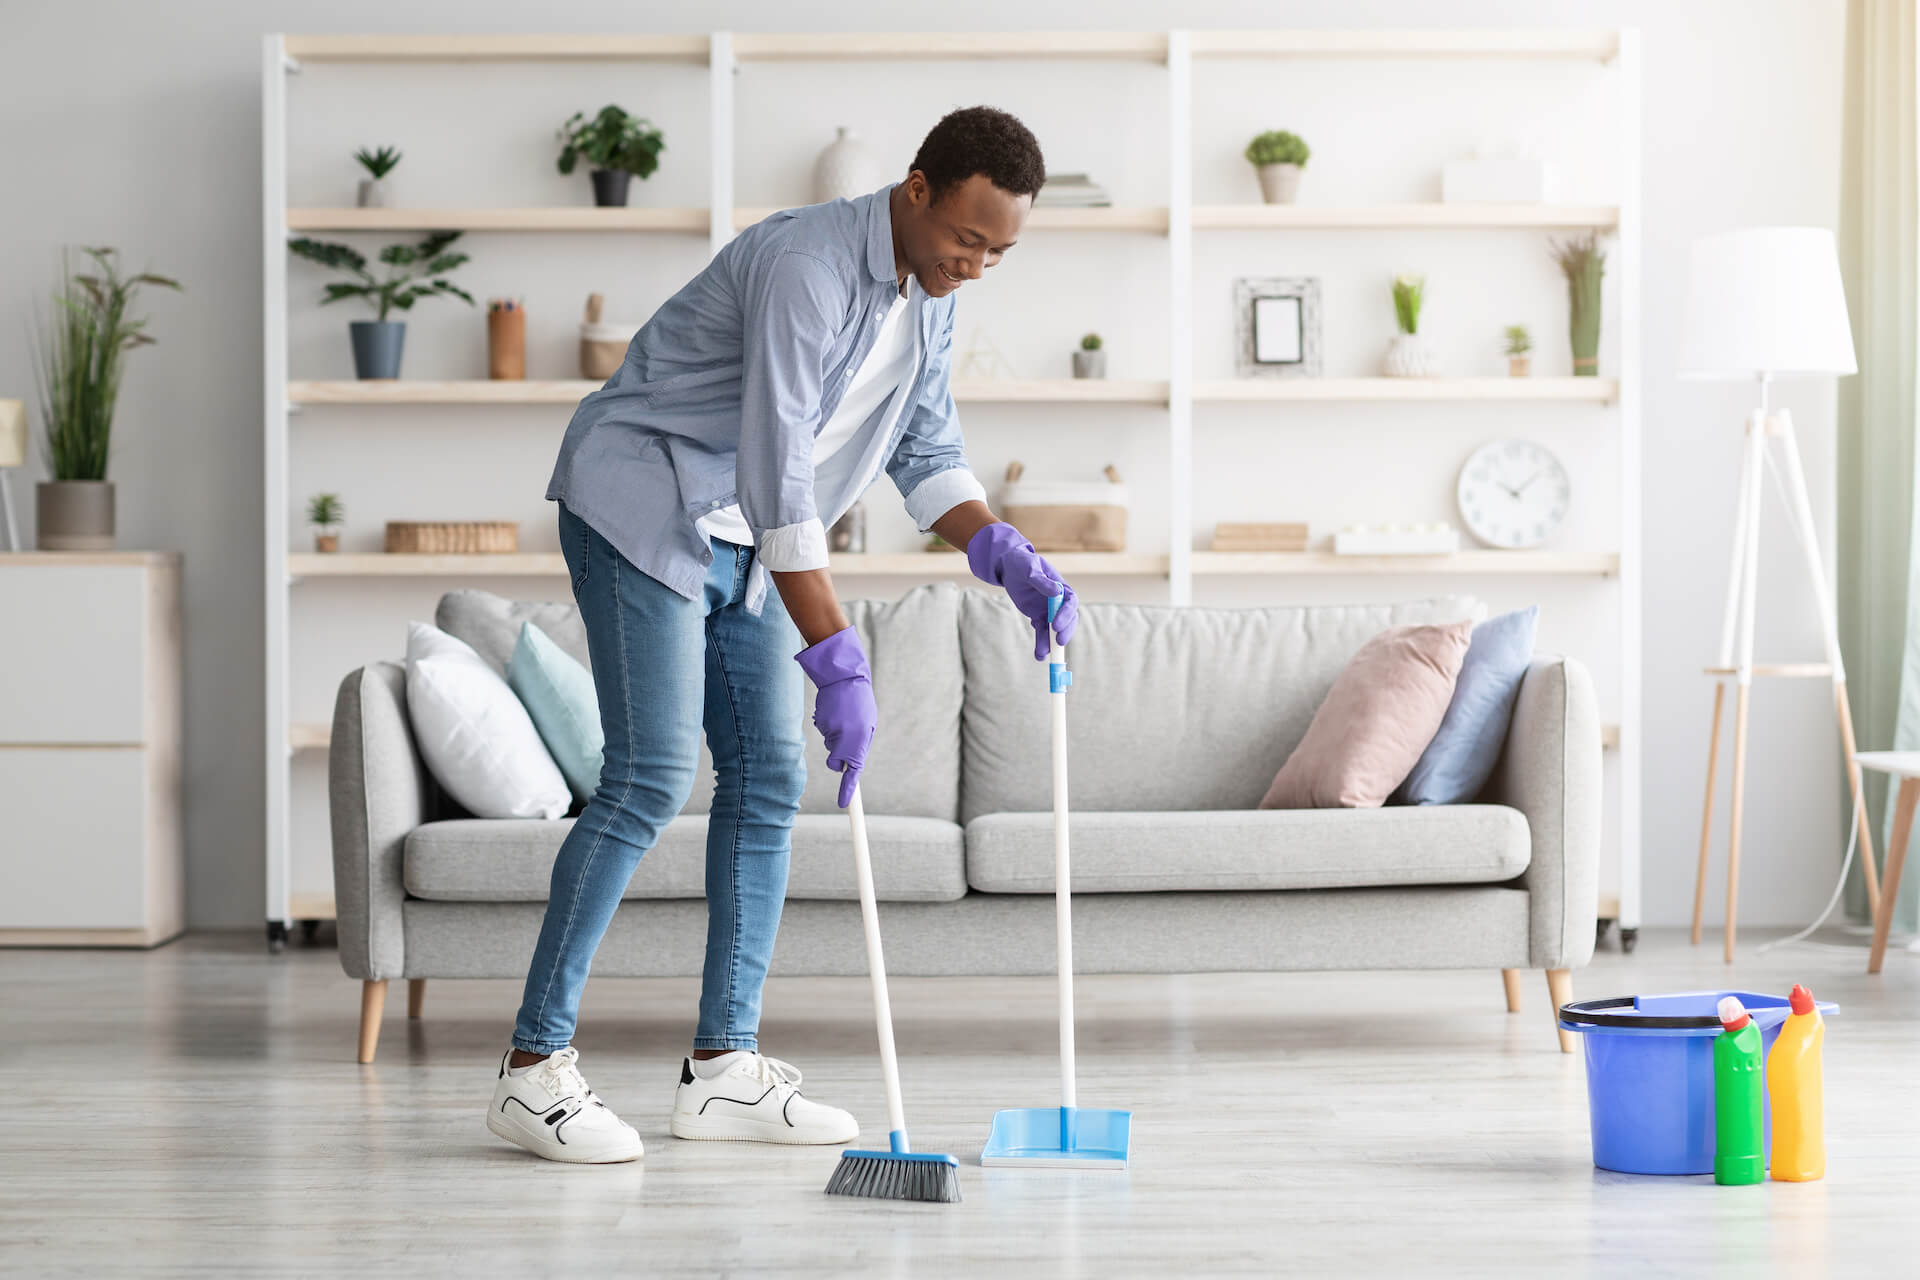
point(571, 391)
point(556, 218)
point(498, 48)
point(1406, 217)
point(1147, 218)
point(1576, 390)
point(922, 46)
point(1327, 564)
point(1592, 46)
point(914, 564)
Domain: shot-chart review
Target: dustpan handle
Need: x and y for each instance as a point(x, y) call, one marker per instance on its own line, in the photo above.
point(1058, 679)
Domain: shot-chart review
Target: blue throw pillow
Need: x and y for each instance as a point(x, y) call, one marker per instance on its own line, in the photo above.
point(558, 693)
point(1461, 757)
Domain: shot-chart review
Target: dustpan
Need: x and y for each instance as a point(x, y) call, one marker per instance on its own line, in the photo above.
point(1068, 1136)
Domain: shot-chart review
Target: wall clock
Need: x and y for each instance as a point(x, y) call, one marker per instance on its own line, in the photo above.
point(1513, 494)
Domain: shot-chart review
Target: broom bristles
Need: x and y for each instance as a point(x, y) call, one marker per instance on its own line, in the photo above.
point(879, 1176)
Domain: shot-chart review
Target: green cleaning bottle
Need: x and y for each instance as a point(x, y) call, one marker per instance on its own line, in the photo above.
point(1739, 1096)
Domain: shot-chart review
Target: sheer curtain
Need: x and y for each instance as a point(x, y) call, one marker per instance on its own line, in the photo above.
point(1879, 535)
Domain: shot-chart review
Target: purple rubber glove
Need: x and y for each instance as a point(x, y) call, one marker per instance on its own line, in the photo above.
point(843, 710)
point(1000, 555)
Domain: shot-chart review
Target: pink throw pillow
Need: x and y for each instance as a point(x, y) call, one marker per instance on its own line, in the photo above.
point(1377, 719)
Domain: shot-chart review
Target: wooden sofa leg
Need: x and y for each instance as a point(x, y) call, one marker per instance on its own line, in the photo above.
point(373, 1003)
point(416, 996)
point(1560, 991)
point(1511, 977)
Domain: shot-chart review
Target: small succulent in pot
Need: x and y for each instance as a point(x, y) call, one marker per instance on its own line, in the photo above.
point(326, 513)
point(1519, 343)
point(617, 146)
point(1090, 361)
point(1278, 157)
point(378, 164)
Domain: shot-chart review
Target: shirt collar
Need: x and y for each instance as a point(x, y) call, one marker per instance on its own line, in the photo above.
point(880, 234)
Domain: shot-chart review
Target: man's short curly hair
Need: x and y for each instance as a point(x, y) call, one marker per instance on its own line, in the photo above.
point(980, 140)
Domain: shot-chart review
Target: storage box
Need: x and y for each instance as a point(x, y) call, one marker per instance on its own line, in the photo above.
point(1067, 515)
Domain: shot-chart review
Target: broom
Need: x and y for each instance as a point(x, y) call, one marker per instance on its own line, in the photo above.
point(899, 1173)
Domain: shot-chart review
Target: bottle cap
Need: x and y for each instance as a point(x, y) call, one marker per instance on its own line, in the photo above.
point(1733, 1014)
point(1801, 999)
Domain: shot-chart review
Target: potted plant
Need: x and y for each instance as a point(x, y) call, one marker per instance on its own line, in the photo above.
point(616, 146)
point(378, 164)
point(1278, 157)
point(1584, 263)
point(81, 350)
point(326, 514)
point(1519, 343)
point(377, 343)
point(1090, 361)
point(1409, 355)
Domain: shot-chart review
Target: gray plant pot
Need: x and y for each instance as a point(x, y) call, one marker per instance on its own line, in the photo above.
point(1279, 183)
point(1090, 364)
point(372, 193)
point(610, 187)
point(74, 515)
point(376, 347)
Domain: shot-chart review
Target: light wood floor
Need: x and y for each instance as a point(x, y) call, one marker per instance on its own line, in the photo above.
point(197, 1111)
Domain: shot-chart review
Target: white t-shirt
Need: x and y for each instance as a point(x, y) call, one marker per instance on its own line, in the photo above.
point(887, 365)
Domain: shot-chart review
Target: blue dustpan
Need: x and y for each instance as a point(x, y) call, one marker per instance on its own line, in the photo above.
point(1066, 1136)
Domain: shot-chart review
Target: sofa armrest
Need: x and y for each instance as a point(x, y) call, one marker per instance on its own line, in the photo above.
point(378, 790)
point(1550, 771)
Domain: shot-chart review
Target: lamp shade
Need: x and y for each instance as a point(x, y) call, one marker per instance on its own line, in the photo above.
point(13, 433)
point(1765, 300)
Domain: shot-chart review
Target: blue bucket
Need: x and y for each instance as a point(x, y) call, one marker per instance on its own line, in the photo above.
point(1650, 1074)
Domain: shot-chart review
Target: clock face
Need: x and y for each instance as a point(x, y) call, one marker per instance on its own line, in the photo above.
point(1513, 493)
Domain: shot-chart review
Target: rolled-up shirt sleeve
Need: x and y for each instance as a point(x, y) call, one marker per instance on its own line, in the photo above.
point(793, 308)
point(929, 466)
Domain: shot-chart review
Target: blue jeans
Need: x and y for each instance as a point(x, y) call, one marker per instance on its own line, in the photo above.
point(664, 667)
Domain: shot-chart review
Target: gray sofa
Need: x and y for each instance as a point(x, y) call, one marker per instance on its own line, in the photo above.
point(1178, 719)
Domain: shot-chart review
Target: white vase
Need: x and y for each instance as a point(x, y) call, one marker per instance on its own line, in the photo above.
point(1279, 183)
point(1411, 356)
point(844, 170)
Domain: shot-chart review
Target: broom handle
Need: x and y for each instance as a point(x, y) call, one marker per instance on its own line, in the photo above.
point(877, 972)
point(1062, 877)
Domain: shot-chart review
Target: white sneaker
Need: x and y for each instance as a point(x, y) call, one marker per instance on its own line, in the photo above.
point(548, 1109)
point(744, 1097)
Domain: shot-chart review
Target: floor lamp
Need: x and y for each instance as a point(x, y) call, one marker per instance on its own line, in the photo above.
point(1766, 303)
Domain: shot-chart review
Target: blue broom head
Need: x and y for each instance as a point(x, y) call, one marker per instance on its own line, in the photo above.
point(897, 1175)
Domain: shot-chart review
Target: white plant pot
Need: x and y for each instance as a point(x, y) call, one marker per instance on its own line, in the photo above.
point(844, 170)
point(1279, 183)
point(1411, 356)
point(373, 193)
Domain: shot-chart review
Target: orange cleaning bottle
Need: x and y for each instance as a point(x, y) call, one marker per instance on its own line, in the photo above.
point(1794, 1092)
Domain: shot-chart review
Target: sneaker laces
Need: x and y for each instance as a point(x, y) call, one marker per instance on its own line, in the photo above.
point(772, 1071)
point(561, 1075)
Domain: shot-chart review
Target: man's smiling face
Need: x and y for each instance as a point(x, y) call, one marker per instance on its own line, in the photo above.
point(954, 240)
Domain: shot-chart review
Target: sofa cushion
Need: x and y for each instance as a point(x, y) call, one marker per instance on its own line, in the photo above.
point(474, 734)
point(1171, 708)
point(1460, 759)
point(913, 648)
point(1252, 849)
point(489, 860)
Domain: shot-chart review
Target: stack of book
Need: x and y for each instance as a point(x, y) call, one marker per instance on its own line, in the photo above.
point(1259, 537)
point(1071, 191)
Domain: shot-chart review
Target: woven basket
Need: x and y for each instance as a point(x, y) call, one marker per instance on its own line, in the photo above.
point(1067, 515)
point(453, 537)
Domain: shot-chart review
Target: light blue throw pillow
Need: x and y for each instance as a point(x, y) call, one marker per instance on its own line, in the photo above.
point(558, 693)
point(1461, 757)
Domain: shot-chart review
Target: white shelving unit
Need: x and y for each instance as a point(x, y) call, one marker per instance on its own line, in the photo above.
point(1614, 399)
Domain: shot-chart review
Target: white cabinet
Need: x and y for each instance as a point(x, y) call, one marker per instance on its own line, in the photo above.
point(91, 841)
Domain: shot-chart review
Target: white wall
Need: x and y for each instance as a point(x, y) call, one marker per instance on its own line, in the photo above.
point(137, 125)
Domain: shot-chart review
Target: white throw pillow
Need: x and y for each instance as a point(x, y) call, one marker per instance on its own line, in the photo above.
point(474, 733)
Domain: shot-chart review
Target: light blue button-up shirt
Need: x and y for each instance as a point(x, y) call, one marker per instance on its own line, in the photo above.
point(723, 390)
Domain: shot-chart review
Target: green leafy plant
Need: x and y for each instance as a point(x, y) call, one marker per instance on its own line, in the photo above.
point(1584, 262)
point(403, 285)
point(1408, 291)
point(378, 163)
point(326, 510)
point(1277, 146)
point(611, 140)
point(82, 348)
point(1090, 343)
point(1519, 341)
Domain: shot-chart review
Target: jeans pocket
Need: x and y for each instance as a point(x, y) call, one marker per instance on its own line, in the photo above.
point(576, 542)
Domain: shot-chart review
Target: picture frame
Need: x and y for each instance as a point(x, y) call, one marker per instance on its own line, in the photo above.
point(1277, 321)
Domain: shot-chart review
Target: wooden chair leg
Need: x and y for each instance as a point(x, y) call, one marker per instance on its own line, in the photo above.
point(416, 996)
point(1896, 859)
point(1706, 812)
point(1560, 991)
point(373, 1003)
point(1511, 977)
